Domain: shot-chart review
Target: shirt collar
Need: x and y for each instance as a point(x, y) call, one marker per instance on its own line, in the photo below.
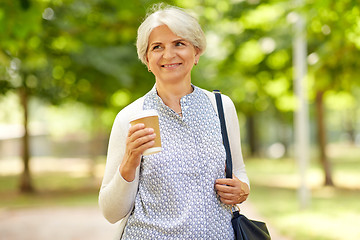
point(193, 94)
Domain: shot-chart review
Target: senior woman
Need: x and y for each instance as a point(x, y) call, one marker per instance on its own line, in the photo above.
point(181, 192)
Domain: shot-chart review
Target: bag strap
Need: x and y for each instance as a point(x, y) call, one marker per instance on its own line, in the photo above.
point(225, 137)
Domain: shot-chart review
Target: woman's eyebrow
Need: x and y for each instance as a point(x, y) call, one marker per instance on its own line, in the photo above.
point(176, 40)
point(155, 43)
point(179, 40)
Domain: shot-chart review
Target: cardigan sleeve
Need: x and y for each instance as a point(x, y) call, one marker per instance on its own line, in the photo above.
point(117, 196)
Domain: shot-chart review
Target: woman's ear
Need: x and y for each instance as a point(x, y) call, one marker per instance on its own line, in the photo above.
point(197, 52)
point(197, 55)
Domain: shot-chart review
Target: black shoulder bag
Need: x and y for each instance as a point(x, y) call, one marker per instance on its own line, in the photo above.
point(244, 228)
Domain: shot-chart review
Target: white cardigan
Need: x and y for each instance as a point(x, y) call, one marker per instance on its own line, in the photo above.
point(117, 196)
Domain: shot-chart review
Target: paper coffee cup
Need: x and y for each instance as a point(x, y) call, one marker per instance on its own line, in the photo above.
point(151, 120)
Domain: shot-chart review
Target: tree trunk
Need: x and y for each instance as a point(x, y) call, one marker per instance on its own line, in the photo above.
point(350, 126)
point(284, 133)
point(25, 180)
point(251, 135)
point(321, 132)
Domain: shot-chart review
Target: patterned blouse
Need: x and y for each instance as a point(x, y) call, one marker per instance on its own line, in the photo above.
point(176, 198)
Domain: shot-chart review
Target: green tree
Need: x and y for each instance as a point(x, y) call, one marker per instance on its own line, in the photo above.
point(23, 63)
point(70, 50)
point(334, 43)
point(250, 57)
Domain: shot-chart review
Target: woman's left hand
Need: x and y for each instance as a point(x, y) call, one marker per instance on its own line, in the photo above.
point(232, 190)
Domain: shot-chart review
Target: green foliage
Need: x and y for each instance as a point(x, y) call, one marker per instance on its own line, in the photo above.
point(333, 35)
point(81, 50)
point(85, 51)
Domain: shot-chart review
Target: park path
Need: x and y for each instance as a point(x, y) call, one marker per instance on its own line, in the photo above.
point(60, 223)
point(73, 223)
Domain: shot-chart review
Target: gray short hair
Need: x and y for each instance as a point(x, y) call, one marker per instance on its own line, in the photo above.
point(177, 20)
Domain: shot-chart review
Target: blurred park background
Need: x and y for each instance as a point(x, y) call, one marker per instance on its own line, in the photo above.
point(67, 67)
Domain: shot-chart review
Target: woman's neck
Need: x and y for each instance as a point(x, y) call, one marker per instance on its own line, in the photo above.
point(172, 93)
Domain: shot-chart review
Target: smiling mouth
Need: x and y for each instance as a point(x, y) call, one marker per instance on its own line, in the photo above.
point(170, 65)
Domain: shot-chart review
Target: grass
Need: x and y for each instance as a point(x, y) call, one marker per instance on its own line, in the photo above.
point(52, 189)
point(57, 181)
point(334, 212)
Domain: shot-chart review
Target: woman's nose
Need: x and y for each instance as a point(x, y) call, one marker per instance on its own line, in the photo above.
point(169, 53)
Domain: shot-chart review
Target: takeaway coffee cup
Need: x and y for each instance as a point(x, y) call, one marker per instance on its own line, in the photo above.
point(151, 120)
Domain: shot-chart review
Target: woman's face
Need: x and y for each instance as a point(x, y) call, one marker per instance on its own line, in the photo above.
point(169, 56)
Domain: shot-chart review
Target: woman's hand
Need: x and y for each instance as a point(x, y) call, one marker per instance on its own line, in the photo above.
point(232, 190)
point(138, 140)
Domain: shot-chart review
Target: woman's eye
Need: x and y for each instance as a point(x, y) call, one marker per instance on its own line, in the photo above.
point(180, 44)
point(156, 47)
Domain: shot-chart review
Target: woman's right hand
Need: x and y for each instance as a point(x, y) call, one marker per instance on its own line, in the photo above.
point(138, 140)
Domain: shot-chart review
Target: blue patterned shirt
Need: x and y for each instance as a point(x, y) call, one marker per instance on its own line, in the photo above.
point(176, 198)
